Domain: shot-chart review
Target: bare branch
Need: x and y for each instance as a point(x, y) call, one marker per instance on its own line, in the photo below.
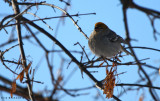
point(18, 27)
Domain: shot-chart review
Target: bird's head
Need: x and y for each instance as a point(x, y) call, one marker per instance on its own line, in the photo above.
point(99, 26)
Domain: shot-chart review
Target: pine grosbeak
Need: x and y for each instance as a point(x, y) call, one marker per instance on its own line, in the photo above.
point(105, 42)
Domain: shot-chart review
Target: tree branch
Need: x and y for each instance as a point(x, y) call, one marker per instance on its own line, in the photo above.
point(18, 27)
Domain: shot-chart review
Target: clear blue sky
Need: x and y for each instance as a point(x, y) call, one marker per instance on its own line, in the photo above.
point(107, 11)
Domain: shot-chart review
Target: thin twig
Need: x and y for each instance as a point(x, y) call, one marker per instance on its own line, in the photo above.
point(139, 85)
point(140, 47)
point(48, 18)
point(66, 13)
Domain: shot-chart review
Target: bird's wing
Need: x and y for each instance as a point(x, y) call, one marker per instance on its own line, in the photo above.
point(113, 37)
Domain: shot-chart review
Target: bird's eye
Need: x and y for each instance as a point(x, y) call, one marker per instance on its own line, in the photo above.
point(97, 27)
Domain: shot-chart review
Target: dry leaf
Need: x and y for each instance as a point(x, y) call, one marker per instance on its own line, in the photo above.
point(13, 88)
point(101, 64)
point(114, 64)
point(60, 78)
point(20, 76)
point(109, 83)
point(107, 72)
point(27, 68)
point(30, 70)
point(141, 98)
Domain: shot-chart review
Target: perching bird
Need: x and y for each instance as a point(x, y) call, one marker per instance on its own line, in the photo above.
point(105, 42)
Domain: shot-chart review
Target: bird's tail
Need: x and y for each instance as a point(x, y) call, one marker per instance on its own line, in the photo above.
point(127, 52)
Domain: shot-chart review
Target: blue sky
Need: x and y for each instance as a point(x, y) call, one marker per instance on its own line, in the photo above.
point(107, 11)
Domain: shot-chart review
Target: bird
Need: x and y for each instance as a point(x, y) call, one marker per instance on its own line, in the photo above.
point(104, 42)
